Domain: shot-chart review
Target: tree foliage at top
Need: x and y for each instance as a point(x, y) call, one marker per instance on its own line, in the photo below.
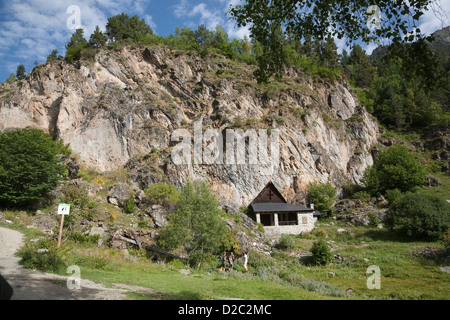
point(300, 19)
point(402, 102)
point(386, 84)
point(358, 66)
point(122, 26)
point(53, 55)
point(76, 44)
point(97, 39)
point(77, 39)
point(20, 72)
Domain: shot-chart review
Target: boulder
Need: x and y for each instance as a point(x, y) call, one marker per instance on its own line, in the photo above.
point(118, 194)
point(91, 188)
point(139, 197)
point(96, 231)
point(159, 215)
point(360, 217)
point(72, 168)
point(356, 218)
point(344, 205)
point(44, 223)
point(185, 271)
point(243, 241)
point(433, 181)
point(117, 244)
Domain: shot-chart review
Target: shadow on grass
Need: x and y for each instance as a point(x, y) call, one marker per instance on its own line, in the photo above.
point(394, 236)
point(182, 295)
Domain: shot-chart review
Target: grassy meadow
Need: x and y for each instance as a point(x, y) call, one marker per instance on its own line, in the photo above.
point(286, 275)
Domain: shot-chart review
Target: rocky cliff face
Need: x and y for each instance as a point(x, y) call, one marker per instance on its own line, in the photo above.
point(120, 109)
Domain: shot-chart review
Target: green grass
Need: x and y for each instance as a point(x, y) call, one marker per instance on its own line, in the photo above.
point(403, 276)
point(206, 286)
point(279, 277)
point(443, 190)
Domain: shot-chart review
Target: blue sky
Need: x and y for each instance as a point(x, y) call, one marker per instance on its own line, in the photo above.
point(31, 29)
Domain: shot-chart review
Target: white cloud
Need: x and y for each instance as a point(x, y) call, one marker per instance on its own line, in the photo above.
point(436, 17)
point(180, 10)
point(210, 17)
point(31, 29)
point(149, 20)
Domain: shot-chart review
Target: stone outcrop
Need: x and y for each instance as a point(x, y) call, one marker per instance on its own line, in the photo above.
point(120, 109)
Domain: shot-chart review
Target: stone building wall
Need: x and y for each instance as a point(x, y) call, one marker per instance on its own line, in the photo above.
point(276, 231)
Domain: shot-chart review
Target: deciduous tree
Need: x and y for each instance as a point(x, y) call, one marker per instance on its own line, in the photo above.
point(195, 224)
point(349, 20)
point(29, 166)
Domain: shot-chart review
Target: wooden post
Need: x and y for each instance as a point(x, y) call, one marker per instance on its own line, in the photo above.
point(63, 209)
point(60, 231)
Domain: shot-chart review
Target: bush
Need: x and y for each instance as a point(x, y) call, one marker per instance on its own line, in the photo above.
point(130, 205)
point(286, 242)
point(44, 261)
point(373, 219)
point(76, 196)
point(202, 260)
point(362, 195)
point(395, 168)
point(80, 238)
point(74, 54)
point(322, 196)
point(321, 253)
point(80, 203)
point(322, 288)
point(195, 225)
point(419, 216)
point(447, 242)
point(162, 193)
point(393, 195)
point(29, 166)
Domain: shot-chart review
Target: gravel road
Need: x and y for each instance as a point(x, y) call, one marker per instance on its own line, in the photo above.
point(35, 285)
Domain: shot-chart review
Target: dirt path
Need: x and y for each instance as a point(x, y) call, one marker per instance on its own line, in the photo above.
point(35, 285)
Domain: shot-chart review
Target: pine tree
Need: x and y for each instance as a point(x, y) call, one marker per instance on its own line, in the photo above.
point(53, 55)
point(20, 73)
point(77, 40)
point(122, 27)
point(76, 44)
point(359, 67)
point(97, 39)
point(329, 56)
